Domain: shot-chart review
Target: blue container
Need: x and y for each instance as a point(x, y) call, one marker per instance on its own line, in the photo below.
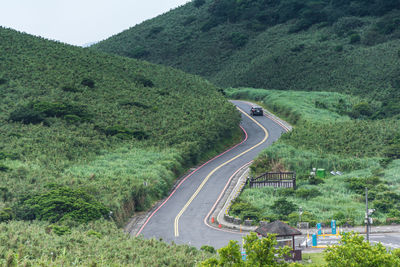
point(244, 256)
point(333, 227)
point(314, 240)
point(319, 228)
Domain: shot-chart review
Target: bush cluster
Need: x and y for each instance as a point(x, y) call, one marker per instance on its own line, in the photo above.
point(61, 204)
point(245, 210)
point(37, 112)
point(383, 199)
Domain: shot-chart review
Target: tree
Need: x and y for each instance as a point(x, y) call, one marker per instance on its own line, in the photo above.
point(354, 251)
point(260, 252)
point(283, 207)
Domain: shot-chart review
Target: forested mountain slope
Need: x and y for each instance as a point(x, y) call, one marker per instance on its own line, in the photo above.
point(344, 46)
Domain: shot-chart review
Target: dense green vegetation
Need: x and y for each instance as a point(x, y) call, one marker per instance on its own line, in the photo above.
point(325, 136)
point(353, 250)
point(87, 136)
point(260, 252)
point(99, 243)
point(341, 46)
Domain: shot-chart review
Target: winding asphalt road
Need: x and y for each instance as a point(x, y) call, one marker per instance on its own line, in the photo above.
point(181, 218)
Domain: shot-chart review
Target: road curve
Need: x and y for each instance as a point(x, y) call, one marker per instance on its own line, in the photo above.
point(181, 218)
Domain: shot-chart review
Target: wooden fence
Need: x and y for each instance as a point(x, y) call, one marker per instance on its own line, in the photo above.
point(274, 179)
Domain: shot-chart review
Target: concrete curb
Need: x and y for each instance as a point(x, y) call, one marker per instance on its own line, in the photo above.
point(231, 193)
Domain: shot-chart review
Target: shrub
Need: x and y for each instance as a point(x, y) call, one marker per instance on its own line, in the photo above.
point(345, 25)
point(307, 193)
point(26, 115)
point(188, 20)
point(389, 23)
point(4, 168)
point(155, 30)
point(383, 205)
point(393, 151)
point(123, 132)
point(209, 25)
point(70, 88)
point(61, 204)
point(199, 3)
point(339, 48)
point(5, 194)
point(60, 229)
point(3, 81)
point(5, 215)
point(209, 249)
point(298, 48)
point(245, 210)
point(72, 118)
point(301, 25)
point(319, 104)
point(355, 38)
point(372, 37)
point(358, 185)
point(361, 109)
point(133, 103)
point(138, 52)
point(94, 233)
point(88, 82)
point(283, 207)
point(240, 206)
point(314, 180)
point(286, 192)
point(36, 112)
point(139, 78)
point(238, 39)
point(7, 155)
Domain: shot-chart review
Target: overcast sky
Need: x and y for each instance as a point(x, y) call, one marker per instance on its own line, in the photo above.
point(79, 22)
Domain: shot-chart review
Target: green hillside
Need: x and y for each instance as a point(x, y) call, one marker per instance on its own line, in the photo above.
point(342, 46)
point(86, 135)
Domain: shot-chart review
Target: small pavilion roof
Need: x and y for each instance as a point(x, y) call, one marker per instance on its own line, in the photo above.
point(279, 228)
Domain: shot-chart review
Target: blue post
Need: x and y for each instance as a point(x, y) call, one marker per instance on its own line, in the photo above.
point(319, 228)
point(314, 240)
point(333, 226)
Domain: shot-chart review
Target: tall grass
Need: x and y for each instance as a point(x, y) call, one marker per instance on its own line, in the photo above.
point(96, 244)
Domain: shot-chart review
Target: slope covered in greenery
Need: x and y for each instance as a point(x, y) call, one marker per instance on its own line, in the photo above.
point(342, 46)
point(85, 135)
point(86, 140)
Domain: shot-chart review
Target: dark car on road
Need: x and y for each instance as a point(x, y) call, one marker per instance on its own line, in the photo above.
point(256, 111)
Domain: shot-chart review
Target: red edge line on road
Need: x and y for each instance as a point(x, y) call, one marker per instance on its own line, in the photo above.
point(176, 188)
point(223, 191)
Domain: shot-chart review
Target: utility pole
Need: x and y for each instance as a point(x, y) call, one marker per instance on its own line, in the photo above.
point(366, 212)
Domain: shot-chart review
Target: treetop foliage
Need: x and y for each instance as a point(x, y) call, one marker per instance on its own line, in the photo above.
point(353, 250)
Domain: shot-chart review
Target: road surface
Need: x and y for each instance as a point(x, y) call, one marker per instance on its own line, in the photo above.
point(181, 218)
